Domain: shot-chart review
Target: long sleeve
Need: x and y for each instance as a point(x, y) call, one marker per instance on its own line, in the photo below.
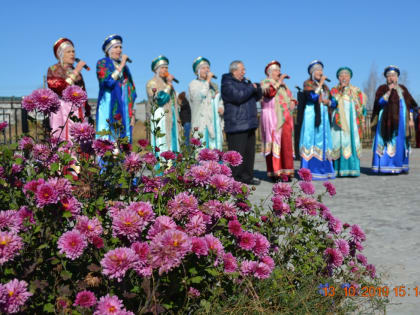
point(235, 95)
point(55, 82)
point(104, 74)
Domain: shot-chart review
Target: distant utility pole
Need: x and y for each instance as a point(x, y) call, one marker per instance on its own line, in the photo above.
point(44, 81)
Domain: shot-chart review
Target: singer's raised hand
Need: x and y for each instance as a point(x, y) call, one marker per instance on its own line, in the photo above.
point(124, 60)
point(209, 76)
point(169, 78)
point(79, 66)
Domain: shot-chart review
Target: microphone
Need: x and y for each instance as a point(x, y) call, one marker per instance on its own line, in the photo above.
point(214, 77)
point(85, 66)
point(175, 80)
point(129, 60)
point(328, 80)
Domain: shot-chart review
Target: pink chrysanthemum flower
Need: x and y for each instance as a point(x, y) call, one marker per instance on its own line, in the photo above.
point(305, 174)
point(194, 293)
point(109, 305)
point(343, 247)
point(25, 215)
point(90, 228)
point(75, 95)
point(330, 188)
point(149, 158)
point(262, 245)
point(208, 155)
point(248, 267)
point(213, 166)
point(214, 244)
point(307, 188)
point(282, 189)
point(324, 211)
point(127, 223)
point(279, 206)
point(247, 241)
point(82, 132)
point(41, 152)
point(168, 155)
point(133, 162)
point(46, 194)
point(335, 225)
point(13, 295)
point(10, 220)
point(61, 185)
point(221, 182)
point(307, 204)
point(168, 249)
point(143, 209)
point(199, 246)
point(235, 228)
point(117, 262)
point(85, 299)
point(3, 125)
point(26, 143)
point(71, 204)
point(225, 170)
point(142, 250)
point(269, 262)
point(72, 244)
point(333, 257)
point(46, 101)
point(182, 204)
point(161, 224)
point(196, 225)
point(199, 174)
point(230, 263)
point(229, 210)
point(362, 259)
point(143, 143)
point(232, 157)
point(102, 146)
point(357, 233)
point(372, 270)
point(196, 142)
point(10, 245)
point(28, 103)
point(262, 271)
point(212, 208)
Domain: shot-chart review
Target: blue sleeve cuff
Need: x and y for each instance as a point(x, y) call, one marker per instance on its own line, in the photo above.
point(382, 102)
point(314, 97)
point(333, 102)
point(162, 98)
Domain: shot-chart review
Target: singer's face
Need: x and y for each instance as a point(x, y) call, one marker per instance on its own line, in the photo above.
point(203, 72)
point(344, 78)
point(68, 55)
point(162, 71)
point(318, 74)
point(391, 77)
point(275, 74)
point(115, 52)
point(239, 73)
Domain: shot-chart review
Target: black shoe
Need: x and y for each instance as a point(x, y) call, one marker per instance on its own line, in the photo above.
point(253, 181)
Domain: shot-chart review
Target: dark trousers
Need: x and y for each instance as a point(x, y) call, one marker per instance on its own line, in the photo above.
point(244, 143)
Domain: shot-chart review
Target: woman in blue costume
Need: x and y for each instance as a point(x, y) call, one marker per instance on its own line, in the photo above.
point(117, 92)
point(206, 105)
point(347, 122)
point(392, 118)
point(163, 107)
point(315, 144)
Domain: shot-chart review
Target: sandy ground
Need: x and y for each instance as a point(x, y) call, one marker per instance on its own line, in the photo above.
point(387, 207)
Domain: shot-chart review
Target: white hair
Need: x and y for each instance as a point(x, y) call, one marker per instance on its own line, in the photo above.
point(234, 65)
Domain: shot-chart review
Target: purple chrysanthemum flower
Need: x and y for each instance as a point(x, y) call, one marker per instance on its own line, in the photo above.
point(262, 271)
point(10, 220)
point(168, 249)
point(282, 189)
point(127, 223)
point(247, 240)
point(229, 210)
point(82, 132)
point(233, 158)
point(200, 174)
point(196, 142)
point(333, 257)
point(262, 245)
point(90, 228)
point(214, 244)
point(72, 244)
point(182, 204)
point(71, 204)
point(196, 225)
point(307, 204)
point(10, 245)
point(102, 146)
point(305, 174)
point(343, 246)
point(62, 186)
point(230, 263)
point(212, 208)
point(41, 152)
point(334, 224)
point(213, 166)
point(75, 95)
point(357, 233)
point(235, 227)
point(118, 261)
point(372, 270)
point(248, 267)
point(161, 224)
point(109, 305)
point(362, 259)
point(149, 158)
point(28, 103)
point(85, 299)
point(269, 262)
point(143, 209)
point(279, 206)
point(46, 194)
point(199, 246)
point(330, 188)
point(221, 182)
point(13, 295)
point(194, 293)
point(208, 155)
point(3, 125)
point(26, 143)
point(46, 101)
point(307, 188)
point(225, 170)
point(168, 155)
point(133, 162)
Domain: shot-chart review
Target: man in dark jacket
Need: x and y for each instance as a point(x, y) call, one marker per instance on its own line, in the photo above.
point(240, 98)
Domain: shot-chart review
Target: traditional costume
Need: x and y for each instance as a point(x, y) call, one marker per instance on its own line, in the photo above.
point(277, 125)
point(59, 77)
point(117, 92)
point(390, 118)
point(164, 114)
point(346, 132)
point(315, 143)
point(205, 102)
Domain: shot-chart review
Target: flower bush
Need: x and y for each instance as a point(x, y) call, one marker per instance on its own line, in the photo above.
point(135, 231)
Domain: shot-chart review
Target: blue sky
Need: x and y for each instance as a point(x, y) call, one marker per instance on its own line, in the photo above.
point(353, 33)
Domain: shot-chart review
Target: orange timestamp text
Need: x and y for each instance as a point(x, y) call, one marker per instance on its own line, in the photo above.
point(372, 291)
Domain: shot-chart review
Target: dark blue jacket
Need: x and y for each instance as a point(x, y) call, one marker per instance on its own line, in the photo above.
point(240, 101)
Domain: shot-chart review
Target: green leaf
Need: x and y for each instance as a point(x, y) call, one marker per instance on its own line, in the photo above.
point(49, 308)
point(55, 167)
point(43, 246)
point(66, 274)
point(67, 214)
point(9, 271)
point(55, 261)
point(196, 279)
point(212, 272)
point(193, 271)
point(75, 313)
point(206, 304)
